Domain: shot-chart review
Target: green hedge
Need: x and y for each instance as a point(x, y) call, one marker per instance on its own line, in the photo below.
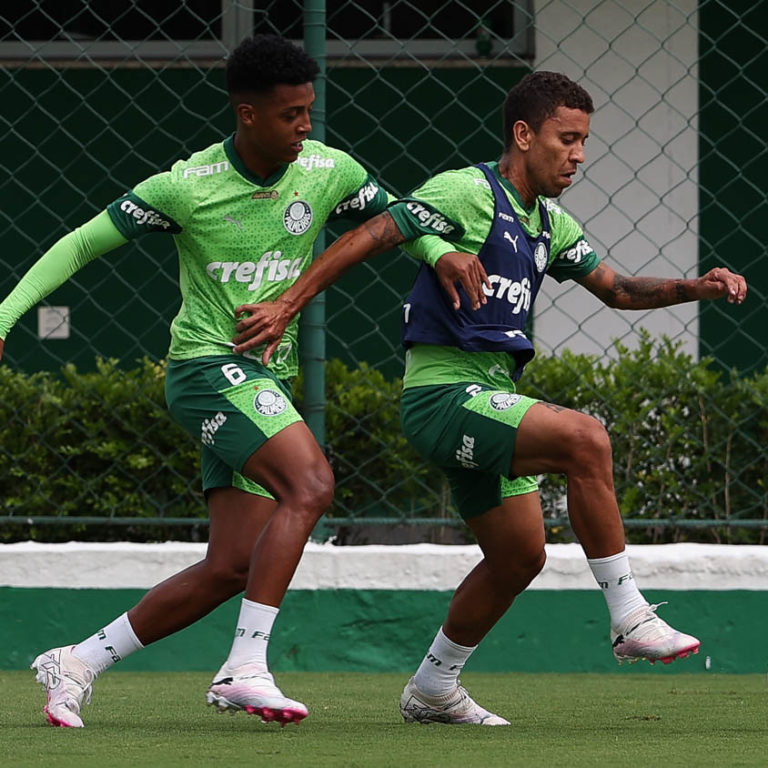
point(98, 444)
point(689, 443)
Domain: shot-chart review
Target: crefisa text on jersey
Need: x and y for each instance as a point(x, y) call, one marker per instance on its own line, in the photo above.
point(359, 200)
point(270, 267)
point(315, 161)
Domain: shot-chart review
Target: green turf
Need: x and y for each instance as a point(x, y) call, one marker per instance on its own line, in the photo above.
point(158, 719)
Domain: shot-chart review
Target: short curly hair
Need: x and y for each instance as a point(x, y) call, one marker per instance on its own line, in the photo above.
point(261, 62)
point(536, 97)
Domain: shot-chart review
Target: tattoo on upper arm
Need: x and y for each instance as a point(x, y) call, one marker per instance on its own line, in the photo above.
point(384, 231)
point(553, 407)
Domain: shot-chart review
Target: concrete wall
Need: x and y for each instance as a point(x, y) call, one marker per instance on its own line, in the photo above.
point(376, 608)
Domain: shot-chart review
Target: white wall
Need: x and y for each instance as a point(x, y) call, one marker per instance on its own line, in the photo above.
point(77, 565)
point(636, 194)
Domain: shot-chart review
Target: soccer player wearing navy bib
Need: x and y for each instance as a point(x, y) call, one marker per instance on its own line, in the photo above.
point(466, 350)
point(244, 214)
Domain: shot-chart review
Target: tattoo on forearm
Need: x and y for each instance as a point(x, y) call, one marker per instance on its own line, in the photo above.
point(681, 292)
point(648, 292)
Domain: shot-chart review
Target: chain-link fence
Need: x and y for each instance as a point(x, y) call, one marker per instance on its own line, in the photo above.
point(98, 95)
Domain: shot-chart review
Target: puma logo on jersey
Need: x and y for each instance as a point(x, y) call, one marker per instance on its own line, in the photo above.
point(511, 239)
point(271, 267)
point(499, 370)
point(238, 224)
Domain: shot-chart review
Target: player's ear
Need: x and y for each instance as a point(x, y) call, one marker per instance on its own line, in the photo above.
point(245, 112)
point(522, 135)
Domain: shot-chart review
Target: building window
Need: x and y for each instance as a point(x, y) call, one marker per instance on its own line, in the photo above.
point(194, 29)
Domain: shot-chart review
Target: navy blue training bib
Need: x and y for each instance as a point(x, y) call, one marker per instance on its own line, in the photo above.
point(515, 264)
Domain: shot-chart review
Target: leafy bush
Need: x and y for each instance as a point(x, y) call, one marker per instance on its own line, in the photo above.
point(688, 441)
point(377, 472)
point(98, 444)
point(689, 444)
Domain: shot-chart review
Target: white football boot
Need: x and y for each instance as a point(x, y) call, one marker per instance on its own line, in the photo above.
point(456, 707)
point(251, 689)
point(643, 635)
point(67, 683)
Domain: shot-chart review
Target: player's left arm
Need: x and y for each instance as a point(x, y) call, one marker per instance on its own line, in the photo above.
point(622, 292)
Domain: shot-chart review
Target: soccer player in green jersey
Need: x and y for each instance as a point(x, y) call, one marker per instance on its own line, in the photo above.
point(460, 408)
point(244, 214)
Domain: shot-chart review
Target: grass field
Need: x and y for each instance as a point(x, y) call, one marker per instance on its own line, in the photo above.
point(154, 719)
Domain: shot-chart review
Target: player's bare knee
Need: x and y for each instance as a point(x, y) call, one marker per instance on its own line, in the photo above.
point(322, 488)
point(588, 444)
point(227, 576)
point(517, 572)
point(529, 568)
point(313, 494)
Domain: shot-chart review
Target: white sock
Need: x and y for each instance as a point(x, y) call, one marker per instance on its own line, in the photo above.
point(109, 645)
point(614, 575)
point(254, 625)
point(439, 670)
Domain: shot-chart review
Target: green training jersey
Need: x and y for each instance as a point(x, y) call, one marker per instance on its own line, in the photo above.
point(242, 239)
point(459, 206)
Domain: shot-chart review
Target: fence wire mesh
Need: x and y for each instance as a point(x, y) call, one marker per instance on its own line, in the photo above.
point(98, 95)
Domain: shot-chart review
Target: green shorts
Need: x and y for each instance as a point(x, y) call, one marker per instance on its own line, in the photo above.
point(233, 405)
point(469, 431)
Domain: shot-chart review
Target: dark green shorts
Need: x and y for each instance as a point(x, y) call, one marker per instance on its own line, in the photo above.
point(469, 431)
point(233, 405)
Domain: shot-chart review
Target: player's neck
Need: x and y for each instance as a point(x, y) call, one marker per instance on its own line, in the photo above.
point(253, 161)
point(517, 178)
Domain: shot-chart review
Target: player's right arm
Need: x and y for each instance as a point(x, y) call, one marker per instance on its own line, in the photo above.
point(266, 322)
point(65, 257)
point(129, 216)
point(425, 243)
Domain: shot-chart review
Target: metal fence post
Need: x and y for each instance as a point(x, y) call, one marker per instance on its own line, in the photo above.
point(312, 349)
